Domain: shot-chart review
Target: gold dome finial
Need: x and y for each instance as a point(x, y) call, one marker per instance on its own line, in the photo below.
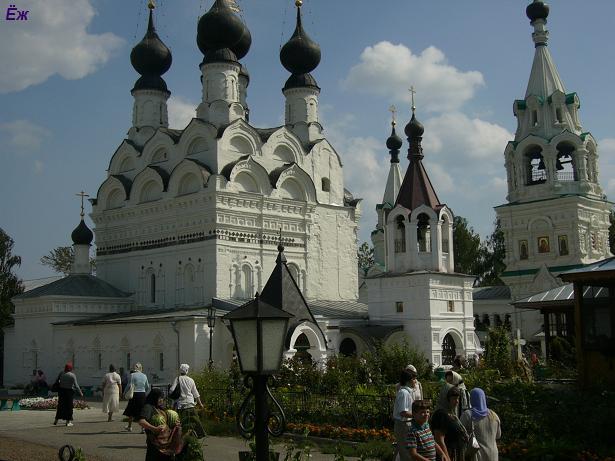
point(151, 4)
point(298, 3)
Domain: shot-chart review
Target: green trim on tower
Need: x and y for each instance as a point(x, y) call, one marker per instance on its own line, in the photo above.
point(551, 269)
point(570, 98)
point(521, 104)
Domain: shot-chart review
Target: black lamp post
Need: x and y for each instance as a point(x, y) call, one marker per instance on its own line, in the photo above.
point(259, 331)
point(211, 323)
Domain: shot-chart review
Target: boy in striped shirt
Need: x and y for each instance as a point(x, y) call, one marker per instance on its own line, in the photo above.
point(420, 442)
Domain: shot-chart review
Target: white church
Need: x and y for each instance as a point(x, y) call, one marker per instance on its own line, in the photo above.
point(195, 221)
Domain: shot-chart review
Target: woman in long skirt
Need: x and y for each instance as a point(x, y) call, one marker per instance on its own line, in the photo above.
point(140, 386)
point(68, 386)
point(111, 385)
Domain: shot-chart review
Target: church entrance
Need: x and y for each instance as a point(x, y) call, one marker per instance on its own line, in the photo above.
point(348, 347)
point(449, 352)
point(302, 345)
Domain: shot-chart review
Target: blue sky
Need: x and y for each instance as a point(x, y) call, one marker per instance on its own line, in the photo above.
point(65, 102)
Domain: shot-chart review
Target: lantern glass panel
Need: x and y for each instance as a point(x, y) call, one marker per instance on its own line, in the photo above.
point(274, 333)
point(245, 340)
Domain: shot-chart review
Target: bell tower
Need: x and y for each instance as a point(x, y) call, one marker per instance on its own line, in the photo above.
point(556, 216)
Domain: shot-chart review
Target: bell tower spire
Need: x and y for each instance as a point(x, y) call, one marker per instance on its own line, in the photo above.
point(556, 216)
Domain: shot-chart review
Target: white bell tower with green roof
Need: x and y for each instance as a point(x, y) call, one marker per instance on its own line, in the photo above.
point(556, 216)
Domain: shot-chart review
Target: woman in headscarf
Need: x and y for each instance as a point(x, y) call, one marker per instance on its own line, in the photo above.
point(68, 386)
point(485, 424)
point(140, 386)
point(415, 386)
point(163, 442)
point(453, 378)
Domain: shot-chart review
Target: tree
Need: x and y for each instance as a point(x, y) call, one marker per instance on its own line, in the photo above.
point(365, 256)
point(498, 351)
point(10, 284)
point(466, 244)
point(492, 254)
point(60, 259)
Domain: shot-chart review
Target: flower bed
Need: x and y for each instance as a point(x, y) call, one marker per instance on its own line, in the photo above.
point(336, 432)
point(40, 403)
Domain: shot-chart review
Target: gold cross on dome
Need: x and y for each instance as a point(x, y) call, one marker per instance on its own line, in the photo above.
point(412, 93)
point(82, 195)
point(151, 4)
point(393, 111)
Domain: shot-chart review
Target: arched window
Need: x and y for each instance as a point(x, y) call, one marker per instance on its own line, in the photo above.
point(151, 191)
point(348, 347)
point(445, 232)
point(565, 164)
point(296, 274)
point(188, 184)
point(159, 156)
point(535, 166)
point(245, 182)
point(400, 235)
point(302, 345)
point(115, 199)
point(423, 233)
point(449, 351)
point(326, 185)
point(292, 189)
point(246, 281)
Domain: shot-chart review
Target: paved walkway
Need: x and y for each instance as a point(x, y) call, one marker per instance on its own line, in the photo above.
point(105, 440)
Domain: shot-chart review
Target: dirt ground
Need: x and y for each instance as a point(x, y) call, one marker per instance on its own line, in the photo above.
point(18, 450)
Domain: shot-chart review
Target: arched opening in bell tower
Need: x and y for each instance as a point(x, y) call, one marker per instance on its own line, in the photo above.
point(400, 235)
point(423, 233)
point(535, 166)
point(565, 162)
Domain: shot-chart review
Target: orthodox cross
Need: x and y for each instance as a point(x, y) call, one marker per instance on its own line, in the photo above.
point(393, 110)
point(412, 93)
point(151, 4)
point(82, 195)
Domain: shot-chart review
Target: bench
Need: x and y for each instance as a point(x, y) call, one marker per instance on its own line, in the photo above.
point(15, 406)
point(3, 404)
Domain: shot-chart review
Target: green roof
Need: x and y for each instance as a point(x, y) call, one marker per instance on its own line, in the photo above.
point(76, 285)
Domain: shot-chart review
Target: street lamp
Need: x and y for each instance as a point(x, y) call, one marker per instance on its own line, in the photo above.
point(259, 331)
point(211, 323)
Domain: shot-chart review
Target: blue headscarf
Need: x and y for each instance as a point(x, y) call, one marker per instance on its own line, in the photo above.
point(479, 404)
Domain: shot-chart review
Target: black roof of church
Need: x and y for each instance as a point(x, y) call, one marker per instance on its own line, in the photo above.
point(76, 285)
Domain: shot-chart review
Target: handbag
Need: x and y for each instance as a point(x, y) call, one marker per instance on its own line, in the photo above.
point(129, 392)
point(472, 446)
point(56, 384)
point(177, 392)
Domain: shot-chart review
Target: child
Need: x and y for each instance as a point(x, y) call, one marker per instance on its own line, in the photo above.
point(420, 441)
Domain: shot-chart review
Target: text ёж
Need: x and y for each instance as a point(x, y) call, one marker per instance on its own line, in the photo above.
point(13, 14)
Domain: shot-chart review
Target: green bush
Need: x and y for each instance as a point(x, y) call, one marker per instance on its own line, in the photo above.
point(498, 351)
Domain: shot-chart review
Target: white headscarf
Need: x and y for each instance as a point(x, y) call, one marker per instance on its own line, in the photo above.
point(183, 368)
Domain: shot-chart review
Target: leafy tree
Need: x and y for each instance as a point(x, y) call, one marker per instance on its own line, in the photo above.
point(60, 259)
point(492, 254)
point(467, 246)
point(10, 284)
point(498, 350)
point(365, 256)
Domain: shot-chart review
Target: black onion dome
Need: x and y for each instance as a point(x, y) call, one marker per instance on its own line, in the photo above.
point(151, 82)
point(300, 54)
point(537, 10)
point(414, 128)
point(394, 142)
point(82, 235)
point(151, 56)
point(242, 47)
point(219, 28)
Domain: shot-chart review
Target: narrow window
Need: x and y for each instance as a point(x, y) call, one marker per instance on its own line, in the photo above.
point(152, 288)
point(534, 118)
point(326, 184)
point(399, 306)
point(161, 361)
point(451, 306)
point(558, 115)
point(99, 361)
point(128, 360)
point(400, 235)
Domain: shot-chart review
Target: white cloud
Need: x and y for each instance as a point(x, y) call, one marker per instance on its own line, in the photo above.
point(389, 70)
point(53, 40)
point(38, 166)
point(23, 135)
point(181, 112)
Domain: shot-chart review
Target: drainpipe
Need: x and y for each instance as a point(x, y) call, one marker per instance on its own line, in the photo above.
point(174, 325)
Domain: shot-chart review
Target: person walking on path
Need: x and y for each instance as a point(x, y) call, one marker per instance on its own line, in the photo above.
point(112, 385)
point(68, 385)
point(420, 441)
point(163, 442)
point(402, 412)
point(448, 431)
point(186, 403)
point(139, 385)
point(485, 424)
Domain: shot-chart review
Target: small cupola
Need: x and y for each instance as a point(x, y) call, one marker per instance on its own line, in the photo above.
point(82, 235)
point(221, 29)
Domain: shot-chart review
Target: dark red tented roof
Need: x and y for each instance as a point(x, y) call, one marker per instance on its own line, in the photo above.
point(416, 188)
